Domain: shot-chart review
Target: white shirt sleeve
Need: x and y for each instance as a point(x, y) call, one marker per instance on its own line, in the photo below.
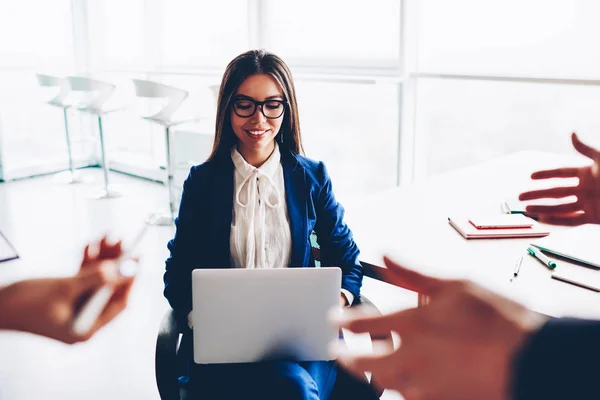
point(349, 296)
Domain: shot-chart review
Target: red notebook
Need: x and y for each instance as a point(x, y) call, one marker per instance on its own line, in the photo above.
point(469, 231)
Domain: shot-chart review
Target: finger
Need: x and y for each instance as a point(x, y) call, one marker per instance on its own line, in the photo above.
point(376, 364)
point(567, 220)
point(86, 253)
point(95, 277)
point(408, 279)
point(557, 209)
point(109, 250)
point(552, 193)
point(557, 173)
point(117, 303)
point(404, 322)
point(584, 149)
point(90, 253)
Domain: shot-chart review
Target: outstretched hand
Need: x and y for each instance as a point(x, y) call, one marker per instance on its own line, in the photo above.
point(586, 209)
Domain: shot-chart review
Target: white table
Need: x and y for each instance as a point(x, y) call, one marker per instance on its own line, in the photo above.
point(410, 223)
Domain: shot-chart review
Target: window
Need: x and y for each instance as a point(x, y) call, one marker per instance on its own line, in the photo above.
point(117, 34)
point(37, 37)
point(353, 128)
point(333, 30)
point(215, 32)
point(511, 37)
point(36, 34)
point(346, 58)
point(461, 123)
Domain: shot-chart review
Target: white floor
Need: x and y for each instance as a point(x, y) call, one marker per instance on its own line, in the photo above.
point(49, 225)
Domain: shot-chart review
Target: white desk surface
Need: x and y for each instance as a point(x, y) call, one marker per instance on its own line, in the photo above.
point(410, 223)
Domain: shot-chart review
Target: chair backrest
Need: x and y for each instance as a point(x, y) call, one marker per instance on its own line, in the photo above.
point(59, 82)
point(103, 90)
point(173, 95)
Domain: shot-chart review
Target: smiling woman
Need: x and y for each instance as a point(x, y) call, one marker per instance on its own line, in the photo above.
point(254, 204)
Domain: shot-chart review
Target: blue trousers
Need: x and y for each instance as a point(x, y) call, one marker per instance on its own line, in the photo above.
point(313, 380)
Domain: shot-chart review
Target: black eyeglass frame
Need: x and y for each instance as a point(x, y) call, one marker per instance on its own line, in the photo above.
point(257, 104)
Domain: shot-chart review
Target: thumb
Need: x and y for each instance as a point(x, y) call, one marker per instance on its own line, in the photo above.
point(584, 149)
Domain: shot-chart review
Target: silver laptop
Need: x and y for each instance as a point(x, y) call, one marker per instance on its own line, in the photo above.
point(252, 315)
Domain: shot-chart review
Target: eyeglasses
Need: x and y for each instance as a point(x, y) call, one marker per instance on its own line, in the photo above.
point(245, 108)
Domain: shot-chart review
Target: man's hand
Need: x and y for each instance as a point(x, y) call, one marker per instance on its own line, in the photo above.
point(459, 346)
point(47, 307)
point(586, 209)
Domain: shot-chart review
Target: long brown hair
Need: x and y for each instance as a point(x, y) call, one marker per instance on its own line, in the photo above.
point(246, 64)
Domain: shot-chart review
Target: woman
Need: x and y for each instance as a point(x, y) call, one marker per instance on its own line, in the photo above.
point(254, 204)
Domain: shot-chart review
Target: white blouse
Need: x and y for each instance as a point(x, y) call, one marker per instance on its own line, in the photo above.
point(260, 226)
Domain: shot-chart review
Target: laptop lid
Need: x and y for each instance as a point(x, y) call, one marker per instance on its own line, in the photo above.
point(252, 315)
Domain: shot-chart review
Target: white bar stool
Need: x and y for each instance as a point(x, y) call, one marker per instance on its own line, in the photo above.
point(60, 101)
point(173, 97)
point(99, 92)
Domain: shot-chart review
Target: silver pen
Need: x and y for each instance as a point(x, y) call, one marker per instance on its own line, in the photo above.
point(517, 268)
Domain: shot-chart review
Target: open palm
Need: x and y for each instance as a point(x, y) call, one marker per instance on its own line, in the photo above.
point(586, 209)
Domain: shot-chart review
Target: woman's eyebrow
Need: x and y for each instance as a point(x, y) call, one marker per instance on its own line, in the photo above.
point(243, 96)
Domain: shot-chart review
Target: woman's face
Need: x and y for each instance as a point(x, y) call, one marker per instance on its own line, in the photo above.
point(255, 132)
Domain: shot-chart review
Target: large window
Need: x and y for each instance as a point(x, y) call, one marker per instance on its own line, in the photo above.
point(496, 77)
point(345, 59)
point(389, 90)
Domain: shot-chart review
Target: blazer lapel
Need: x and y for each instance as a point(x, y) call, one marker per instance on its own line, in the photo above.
point(295, 194)
point(221, 210)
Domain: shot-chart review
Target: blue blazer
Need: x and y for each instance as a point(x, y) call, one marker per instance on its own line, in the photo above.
point(204, 224)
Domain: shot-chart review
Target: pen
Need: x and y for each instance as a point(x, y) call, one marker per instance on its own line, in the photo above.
point(517, 268)
point(538, 254)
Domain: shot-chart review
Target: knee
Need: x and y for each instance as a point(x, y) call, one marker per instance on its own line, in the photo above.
point(294, 383)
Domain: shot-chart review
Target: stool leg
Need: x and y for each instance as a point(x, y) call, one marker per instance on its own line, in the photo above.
point(166, 218)
point(170, 173)
point(70, 176)
point(68, 142)
point(107, 192)
point(103, 152)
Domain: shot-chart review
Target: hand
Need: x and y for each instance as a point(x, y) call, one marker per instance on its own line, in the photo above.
point(587, 207)
point(47, 307)
point(460, 346)
point(343, 300)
